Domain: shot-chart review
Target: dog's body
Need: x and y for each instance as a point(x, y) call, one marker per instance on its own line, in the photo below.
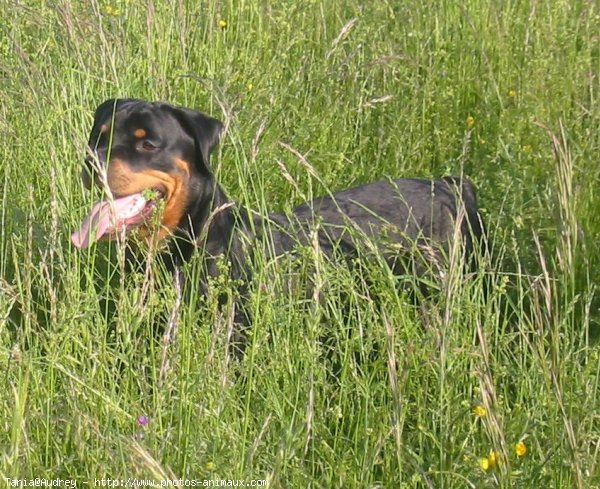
point(404, 213)
point(141, 148)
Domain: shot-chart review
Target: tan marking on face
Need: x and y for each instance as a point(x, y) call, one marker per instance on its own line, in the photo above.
point(104, 128)
point(183, 165)
point(123, 181)
point(139, 133)
point(178, 200)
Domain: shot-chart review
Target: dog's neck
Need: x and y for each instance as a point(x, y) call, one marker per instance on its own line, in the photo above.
point(216, 227)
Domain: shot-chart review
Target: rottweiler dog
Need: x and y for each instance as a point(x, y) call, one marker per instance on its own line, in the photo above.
point(153, 161)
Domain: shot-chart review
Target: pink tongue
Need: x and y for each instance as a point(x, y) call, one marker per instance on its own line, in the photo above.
point(105, 217)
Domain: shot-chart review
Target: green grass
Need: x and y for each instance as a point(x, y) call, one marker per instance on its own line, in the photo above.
point(506, 92)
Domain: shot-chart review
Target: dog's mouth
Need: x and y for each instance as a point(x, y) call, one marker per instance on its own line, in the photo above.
point(119, 215)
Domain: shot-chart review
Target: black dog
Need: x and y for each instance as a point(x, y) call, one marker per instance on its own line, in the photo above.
point(156, 157)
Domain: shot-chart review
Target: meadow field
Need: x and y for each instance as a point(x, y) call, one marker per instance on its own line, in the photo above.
point(492, 381)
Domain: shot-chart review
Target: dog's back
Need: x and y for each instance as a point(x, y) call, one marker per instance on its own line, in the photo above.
point(403, 217)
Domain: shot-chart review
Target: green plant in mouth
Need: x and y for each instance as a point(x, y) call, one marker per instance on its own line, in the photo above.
point(151, 194)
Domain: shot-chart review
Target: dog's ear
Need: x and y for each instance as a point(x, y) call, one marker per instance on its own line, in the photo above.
point(204, 130)
point(104, 113)
point(107, 109)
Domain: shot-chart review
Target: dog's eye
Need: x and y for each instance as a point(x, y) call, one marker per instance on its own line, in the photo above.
point(148, 146)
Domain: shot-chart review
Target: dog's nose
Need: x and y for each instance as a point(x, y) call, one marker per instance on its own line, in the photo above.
point(86, 178)
point(95, 158)
point(90, 161)
point(93, 163)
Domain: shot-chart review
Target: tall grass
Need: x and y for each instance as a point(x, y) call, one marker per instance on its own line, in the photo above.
point(316, 96)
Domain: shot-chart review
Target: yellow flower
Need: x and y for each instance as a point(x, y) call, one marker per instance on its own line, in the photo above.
point(480, 411)
point(222, 23)
point(249, 86)
point(210, 466)
point(489, 463)
point(470, 121)
point(512, 93)
point(110, 10)
point(527, 149)
point(521, 449)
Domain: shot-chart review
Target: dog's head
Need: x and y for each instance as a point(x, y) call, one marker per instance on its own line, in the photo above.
point(153, 161)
